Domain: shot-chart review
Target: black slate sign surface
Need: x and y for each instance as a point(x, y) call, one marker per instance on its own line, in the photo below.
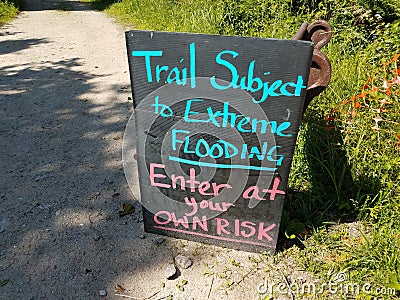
point(216, 124)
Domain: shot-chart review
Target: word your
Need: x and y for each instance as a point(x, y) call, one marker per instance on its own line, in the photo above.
point(250, 83)
point(223, 206)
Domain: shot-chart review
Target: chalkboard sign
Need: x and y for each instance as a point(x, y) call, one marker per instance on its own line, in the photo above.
point(216, 124)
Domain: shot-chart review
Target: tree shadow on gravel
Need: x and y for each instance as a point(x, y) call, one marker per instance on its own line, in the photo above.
point(11, 46)
point(328, 189)
point(62, 184)
point(65, 5)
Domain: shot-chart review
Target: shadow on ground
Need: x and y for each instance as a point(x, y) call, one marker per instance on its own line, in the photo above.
point(326, 187)
point(65, 5)
point(63, 183)
point(11, 45)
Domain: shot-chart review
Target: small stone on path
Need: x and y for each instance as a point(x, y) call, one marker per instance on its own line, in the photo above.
point(183, 261)
point(103, 293)
point(97, 236)
point(158, 240)
point(170, 271)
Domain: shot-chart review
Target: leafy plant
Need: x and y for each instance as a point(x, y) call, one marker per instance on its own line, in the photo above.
point(8, 11)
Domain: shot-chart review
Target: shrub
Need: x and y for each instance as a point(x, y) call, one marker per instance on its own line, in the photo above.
point(8, 11)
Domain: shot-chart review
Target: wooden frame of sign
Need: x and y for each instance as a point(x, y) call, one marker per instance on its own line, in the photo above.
point(217, 119)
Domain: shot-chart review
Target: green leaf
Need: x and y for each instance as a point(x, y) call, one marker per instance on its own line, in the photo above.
point(393, 278)
point(292, 236)
point(293, 229)
point(394, 282)
point(126, 209)
point(395, 286)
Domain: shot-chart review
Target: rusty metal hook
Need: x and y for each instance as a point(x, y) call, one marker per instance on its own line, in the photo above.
point(319, 32)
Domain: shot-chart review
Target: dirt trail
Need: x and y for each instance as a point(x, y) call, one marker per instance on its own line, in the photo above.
point(64, 89)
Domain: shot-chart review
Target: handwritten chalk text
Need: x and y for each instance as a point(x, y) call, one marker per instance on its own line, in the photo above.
point(226, 118)
point(223, 149)
point(249, 82)
point(225, 227)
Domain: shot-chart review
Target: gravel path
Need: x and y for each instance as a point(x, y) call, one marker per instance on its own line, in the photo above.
point(64, 106)
point(64, 89)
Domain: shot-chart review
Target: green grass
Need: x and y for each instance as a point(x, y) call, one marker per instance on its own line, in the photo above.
point(8, 11)
point(345, 169)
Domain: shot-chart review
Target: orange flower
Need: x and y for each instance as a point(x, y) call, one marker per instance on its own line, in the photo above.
point(362, 95)
point(374, 89)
